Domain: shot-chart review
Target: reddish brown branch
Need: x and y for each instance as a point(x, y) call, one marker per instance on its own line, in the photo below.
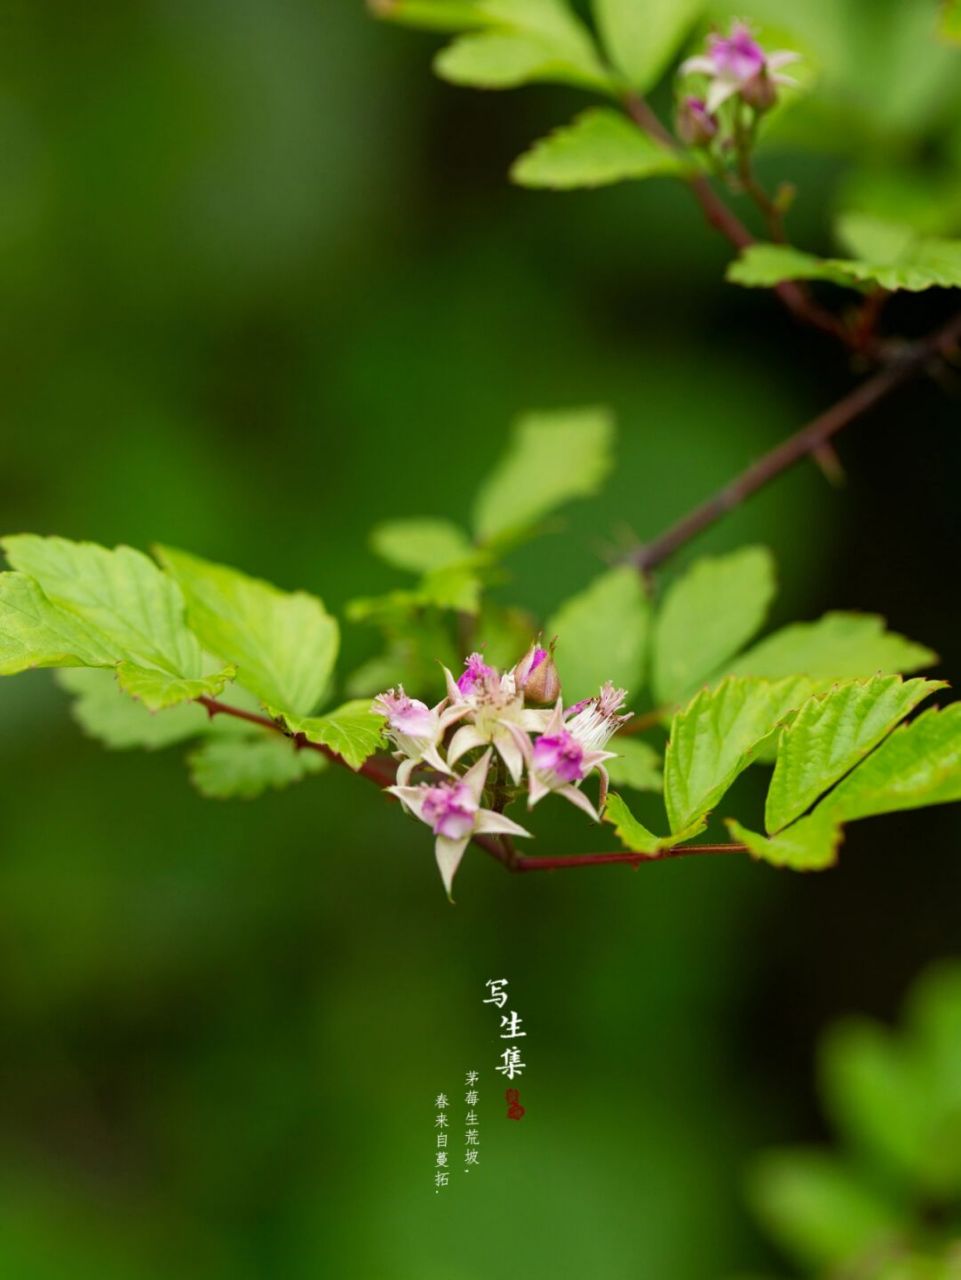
point(381, 771)
point(901, 369)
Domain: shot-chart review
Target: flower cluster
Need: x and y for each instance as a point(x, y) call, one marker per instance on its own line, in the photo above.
point(735, 66)
point(539, 749)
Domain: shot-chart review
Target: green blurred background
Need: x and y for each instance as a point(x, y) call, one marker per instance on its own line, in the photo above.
point(264, 282)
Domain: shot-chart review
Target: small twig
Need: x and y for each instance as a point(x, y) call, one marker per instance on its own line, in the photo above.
point(900, 369)
point(522, 864)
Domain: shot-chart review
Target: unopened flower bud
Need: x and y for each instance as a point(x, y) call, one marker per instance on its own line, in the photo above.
point(760, 92)
point(536, 675)
point(696, 126)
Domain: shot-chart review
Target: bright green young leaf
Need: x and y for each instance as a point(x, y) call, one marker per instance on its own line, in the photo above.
point(808, 845)
point(36, 633)
point(156, 690)
point(599, 147)
point(432, 15)
point(762, 266)
point(637, 765)
point(635, 836)
point(121, 593)
point(919, 764)
point(243, 767)
point(528, 40)
point(717, 735)
point(554, 456)
point(421, 545)
point(838, 646)
point(642, 39)
point(602, 635)
point(706, 616)
point(819, 1211)
point(352, 730)
point(107, 714)
point(283, 644)
point(830, 734)
point(907, 261)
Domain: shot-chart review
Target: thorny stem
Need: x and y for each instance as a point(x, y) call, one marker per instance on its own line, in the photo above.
point(901, 368)
point(381, 771)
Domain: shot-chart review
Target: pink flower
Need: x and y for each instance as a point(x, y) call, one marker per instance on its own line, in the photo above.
point(736, 63)
point(476, 671)
point(493, 711)
point(572, 745)
point(452, 811)
point(415, 729)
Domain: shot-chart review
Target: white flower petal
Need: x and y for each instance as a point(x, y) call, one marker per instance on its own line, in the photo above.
point(700, 65)
point(510, 753)
point(490, 823)
point(411, 798)
point(537, 791)
point(535, 721)
point(433, 757)
point(404, 770)
point(448, 854)
point(719, 92)
point(580, 799)
point(782, 58)
point(466, 737)
point(453, 692)
point(476, 776)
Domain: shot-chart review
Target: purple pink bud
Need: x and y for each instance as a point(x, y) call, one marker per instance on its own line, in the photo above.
point(476, 672)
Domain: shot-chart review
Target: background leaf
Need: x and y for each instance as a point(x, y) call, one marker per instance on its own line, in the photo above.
point(635, 836)
point(602, 635)
point(283, 644)
point(818, 1210)
point(228, 768)
point(554, 457)
point(637, 764)
point(156, 690)
point(420, 544)
point(599, 147)
point(104, 712)
point(810, 844)
point(36, 633)
point(836, 647)
point(433, 15)
point(706, 616)
point(642, 39)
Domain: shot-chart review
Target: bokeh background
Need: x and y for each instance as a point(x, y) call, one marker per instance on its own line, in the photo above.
point(263, 283)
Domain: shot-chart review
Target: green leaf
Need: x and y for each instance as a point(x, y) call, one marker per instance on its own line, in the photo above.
point(635, 836)
point(872, 1091)
point(107, 714)
point(950, 26)
point(637, 765)
point(554, 457)
point(830, 734)
point(352, 730)
point(904, 260)
point(706, 616)
point(642, 39)
point(762, 266)
point(599, 147)
point(157, 690)
point(808, 845)
point(602, 635)
point(529, 40)
point(421, 544)
point(818, 1210)
point(229, 768)
point(432, 15)
point(283, 645)
point(836, 647)
point(454, 587)
point(919, 764)
point(35, 633)
point(137, 610)
point(717, 735)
